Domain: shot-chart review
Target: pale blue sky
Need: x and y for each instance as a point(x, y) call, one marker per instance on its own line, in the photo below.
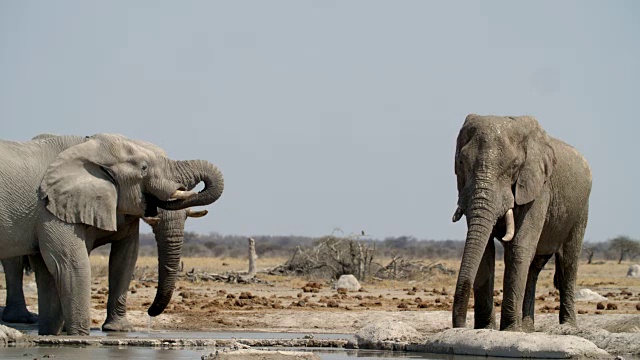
point(326, 114)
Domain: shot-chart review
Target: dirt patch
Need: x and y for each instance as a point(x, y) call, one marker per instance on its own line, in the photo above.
point(312, 305)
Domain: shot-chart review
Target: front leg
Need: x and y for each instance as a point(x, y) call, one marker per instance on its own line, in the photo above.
point(484, 313)
point(518, 254)
point(64, 251)
point(122, 263)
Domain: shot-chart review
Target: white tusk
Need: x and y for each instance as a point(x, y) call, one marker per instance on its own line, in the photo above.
point(196, 213)
point(457, 215)
point(511, 226)
point(181, 195)
point(151, 220)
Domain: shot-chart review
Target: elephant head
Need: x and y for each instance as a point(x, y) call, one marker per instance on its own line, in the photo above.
point(108, 174)
point(500, 162)
point(92, 182)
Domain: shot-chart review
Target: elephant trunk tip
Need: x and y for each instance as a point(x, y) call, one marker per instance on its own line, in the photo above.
point(154, 311)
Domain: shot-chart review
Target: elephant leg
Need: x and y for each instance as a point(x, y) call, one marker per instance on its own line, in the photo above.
point(484, 313)
point(529, 307)
point(64, 252)
point(518, 255)
point(567, 260)
point(122, 263)
point(49, 308)
point(15, 310)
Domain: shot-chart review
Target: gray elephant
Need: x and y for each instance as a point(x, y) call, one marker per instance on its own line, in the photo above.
point(169, 234)
point(530, 191)
point(63, 196)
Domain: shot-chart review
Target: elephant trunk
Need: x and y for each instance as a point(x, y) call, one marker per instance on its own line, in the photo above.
point(480, 222)
point(169, 233)
point(191, 172)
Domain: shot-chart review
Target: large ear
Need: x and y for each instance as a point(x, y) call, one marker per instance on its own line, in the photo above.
point(538, 164)
point(79, 190)
point(463, 138)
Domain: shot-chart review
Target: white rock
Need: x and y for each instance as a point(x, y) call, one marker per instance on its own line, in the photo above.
point(589, 295)
point(372, 335)
point(511, 344)
point(348, 282)
point(634, 270)
point(261, 355)
point(10, 335)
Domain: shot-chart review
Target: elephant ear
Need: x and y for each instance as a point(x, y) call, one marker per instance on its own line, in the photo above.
point(537, 166)
point(78, 189)
point(464, 136)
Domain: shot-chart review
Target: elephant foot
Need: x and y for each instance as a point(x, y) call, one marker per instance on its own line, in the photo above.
point(120, 324)
point(528, 325)
point(513, 327)
point(19, 314)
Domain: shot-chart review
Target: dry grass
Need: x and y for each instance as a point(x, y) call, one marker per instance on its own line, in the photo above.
point(100, 264)
point(604, 274)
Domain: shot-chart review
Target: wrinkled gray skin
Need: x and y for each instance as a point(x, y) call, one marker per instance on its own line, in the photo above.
point(66, 195)
point(169, 234)
point(504, 163)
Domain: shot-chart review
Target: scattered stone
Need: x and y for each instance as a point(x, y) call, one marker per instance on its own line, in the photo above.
point(600, 306)
point(251, 354)
point(348, 282)
point(611, 306)
point(486, 342)
point(614, 343)
point(11, 336)
point(245, 295)
point(380, 334)
point(588, 295)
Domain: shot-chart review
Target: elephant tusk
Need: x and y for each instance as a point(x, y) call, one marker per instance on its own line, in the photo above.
point(457, 215)
point(151, 220)
point(511, 226)
point(181, 195)
point(196, 213)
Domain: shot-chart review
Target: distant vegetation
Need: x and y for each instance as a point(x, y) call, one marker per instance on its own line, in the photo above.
point(620, 248)
point(233, 246)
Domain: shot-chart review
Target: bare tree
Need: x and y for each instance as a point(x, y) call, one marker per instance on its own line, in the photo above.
point(333, 256)
point(590, 251)
point(624, 246)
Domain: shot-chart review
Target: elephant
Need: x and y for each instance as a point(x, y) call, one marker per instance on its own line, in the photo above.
point(64, 195)
point(531, 192)
point(169, 232)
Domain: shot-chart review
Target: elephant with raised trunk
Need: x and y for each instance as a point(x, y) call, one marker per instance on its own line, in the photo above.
point(531, 192)
point(62, 196)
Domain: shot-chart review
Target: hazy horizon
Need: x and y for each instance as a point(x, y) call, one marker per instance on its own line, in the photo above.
point(328, 114)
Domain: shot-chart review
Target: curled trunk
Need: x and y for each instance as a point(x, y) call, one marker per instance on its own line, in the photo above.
point(191, 172)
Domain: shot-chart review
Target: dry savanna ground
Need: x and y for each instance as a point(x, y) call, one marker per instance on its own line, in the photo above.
point(281, 303)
